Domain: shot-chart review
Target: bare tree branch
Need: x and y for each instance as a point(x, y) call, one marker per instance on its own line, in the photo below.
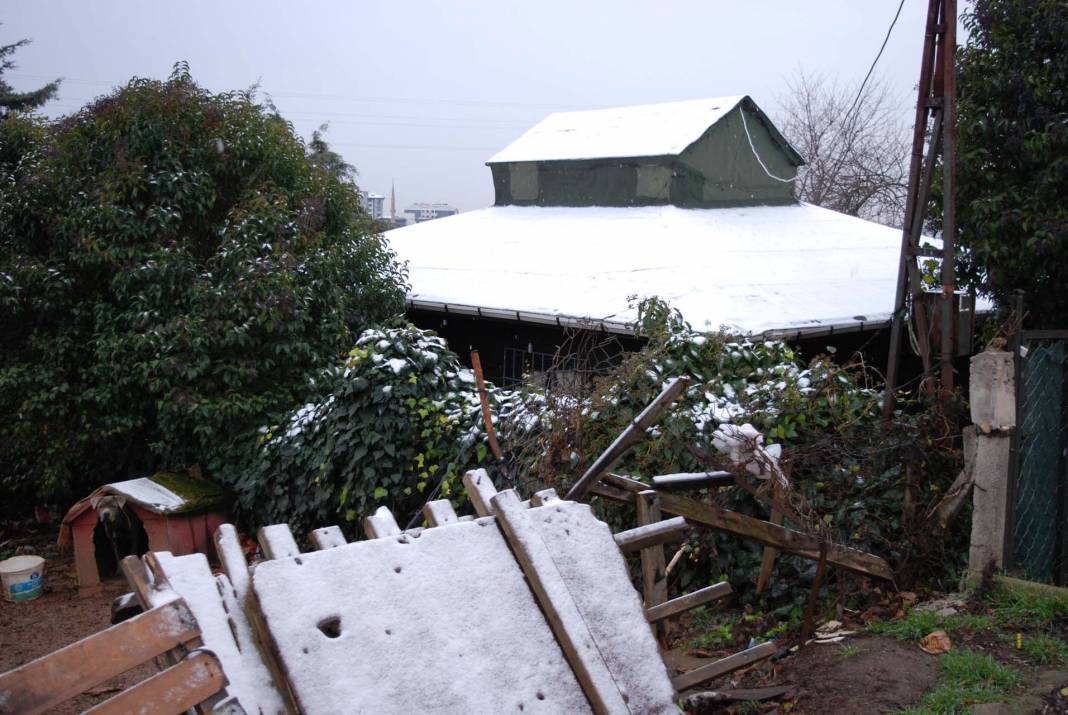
point(857, 163)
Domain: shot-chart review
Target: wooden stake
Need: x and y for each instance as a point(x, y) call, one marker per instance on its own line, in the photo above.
point(814, 595)
point(654, 568)
point(767, 563)
point(487, 417)
point(632, 435)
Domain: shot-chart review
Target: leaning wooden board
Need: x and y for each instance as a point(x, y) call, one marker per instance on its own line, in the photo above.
point(444, 621)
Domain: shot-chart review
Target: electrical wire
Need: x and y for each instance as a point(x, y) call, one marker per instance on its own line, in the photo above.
point(860, 92)
point(753, 147)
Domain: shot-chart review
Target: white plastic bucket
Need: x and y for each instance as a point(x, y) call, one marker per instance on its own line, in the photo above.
point(22, 577)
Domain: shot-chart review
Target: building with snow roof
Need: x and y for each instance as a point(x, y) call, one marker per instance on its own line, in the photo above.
point(689, 201)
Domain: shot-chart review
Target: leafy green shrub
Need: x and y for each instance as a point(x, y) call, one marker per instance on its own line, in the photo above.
point(846, 471)
point(397, 423)
point(172, 269)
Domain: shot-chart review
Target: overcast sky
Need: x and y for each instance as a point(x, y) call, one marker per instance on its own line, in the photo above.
point(422, 93)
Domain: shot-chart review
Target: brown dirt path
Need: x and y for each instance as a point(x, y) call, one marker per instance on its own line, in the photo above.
point(57, 618)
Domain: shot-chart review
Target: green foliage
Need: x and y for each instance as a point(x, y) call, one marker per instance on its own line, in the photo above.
point(13, 101)
point(173, 267)
point(849, 471)
point(1021, 607)
point(917, 624)
point(393, 422)
point(1012, 169)
point(849, 651)
point(715, 636)
point(968, 678)
point(1044, 649)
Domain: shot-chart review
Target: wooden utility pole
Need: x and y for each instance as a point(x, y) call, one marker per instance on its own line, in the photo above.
point(935, 133)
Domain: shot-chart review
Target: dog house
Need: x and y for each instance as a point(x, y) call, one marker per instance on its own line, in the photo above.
point(164, 512)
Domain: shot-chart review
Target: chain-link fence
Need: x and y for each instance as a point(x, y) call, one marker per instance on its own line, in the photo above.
point(1039, 533)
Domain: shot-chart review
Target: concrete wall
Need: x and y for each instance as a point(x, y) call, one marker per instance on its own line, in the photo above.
point(993, 412)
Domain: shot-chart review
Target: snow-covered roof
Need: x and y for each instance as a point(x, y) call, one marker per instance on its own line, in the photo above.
point(646, 130)
point(780, 270)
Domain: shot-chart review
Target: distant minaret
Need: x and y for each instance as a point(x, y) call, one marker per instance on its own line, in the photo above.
point(392, 200)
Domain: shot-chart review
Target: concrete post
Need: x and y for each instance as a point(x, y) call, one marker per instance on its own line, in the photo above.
point(993, 412)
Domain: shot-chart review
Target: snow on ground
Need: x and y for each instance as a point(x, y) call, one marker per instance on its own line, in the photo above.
point(749, 269)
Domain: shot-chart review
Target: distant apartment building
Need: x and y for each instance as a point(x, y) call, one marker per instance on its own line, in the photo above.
point(417, 213)
point(373, 204)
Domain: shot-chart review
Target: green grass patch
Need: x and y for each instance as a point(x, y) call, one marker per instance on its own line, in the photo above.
point(848, 651)
point(916, 624)
point(968, 678)
point(1021, 607)
point(714, 637)
point(1044, 649)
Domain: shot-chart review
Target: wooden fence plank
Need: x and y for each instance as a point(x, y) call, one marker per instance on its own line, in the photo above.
point(439, 512)
point(723, 666)
point(651, 534)
point(277, 542)
point(557, 604)
point(380, 524)
point(232, 558)
point(634, 433)
point(685, 603)
point(44, 683)
point(545, 496)
point(327, 537)
point(480, 491)
point(782, 538)
point(692, 480)
point(175, 690)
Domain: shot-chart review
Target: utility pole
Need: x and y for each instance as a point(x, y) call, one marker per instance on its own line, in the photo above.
point(934, 134)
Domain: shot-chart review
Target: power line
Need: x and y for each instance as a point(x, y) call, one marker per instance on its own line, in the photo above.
point(871, 69)
point(331, 97)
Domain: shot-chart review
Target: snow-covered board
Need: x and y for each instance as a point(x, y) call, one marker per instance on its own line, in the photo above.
point(442, 621)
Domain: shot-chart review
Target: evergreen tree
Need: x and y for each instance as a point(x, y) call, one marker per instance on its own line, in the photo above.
point(12, 101)
point(1012, 166)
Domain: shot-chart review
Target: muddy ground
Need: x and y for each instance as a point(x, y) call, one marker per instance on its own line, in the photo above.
point(30, 629)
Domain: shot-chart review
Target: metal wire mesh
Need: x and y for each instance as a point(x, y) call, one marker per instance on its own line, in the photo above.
point(1039, 525)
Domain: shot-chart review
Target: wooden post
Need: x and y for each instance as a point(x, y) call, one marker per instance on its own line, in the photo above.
point(634, 433)
point(654, 578)
point(814, 595)
point(767, 563)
